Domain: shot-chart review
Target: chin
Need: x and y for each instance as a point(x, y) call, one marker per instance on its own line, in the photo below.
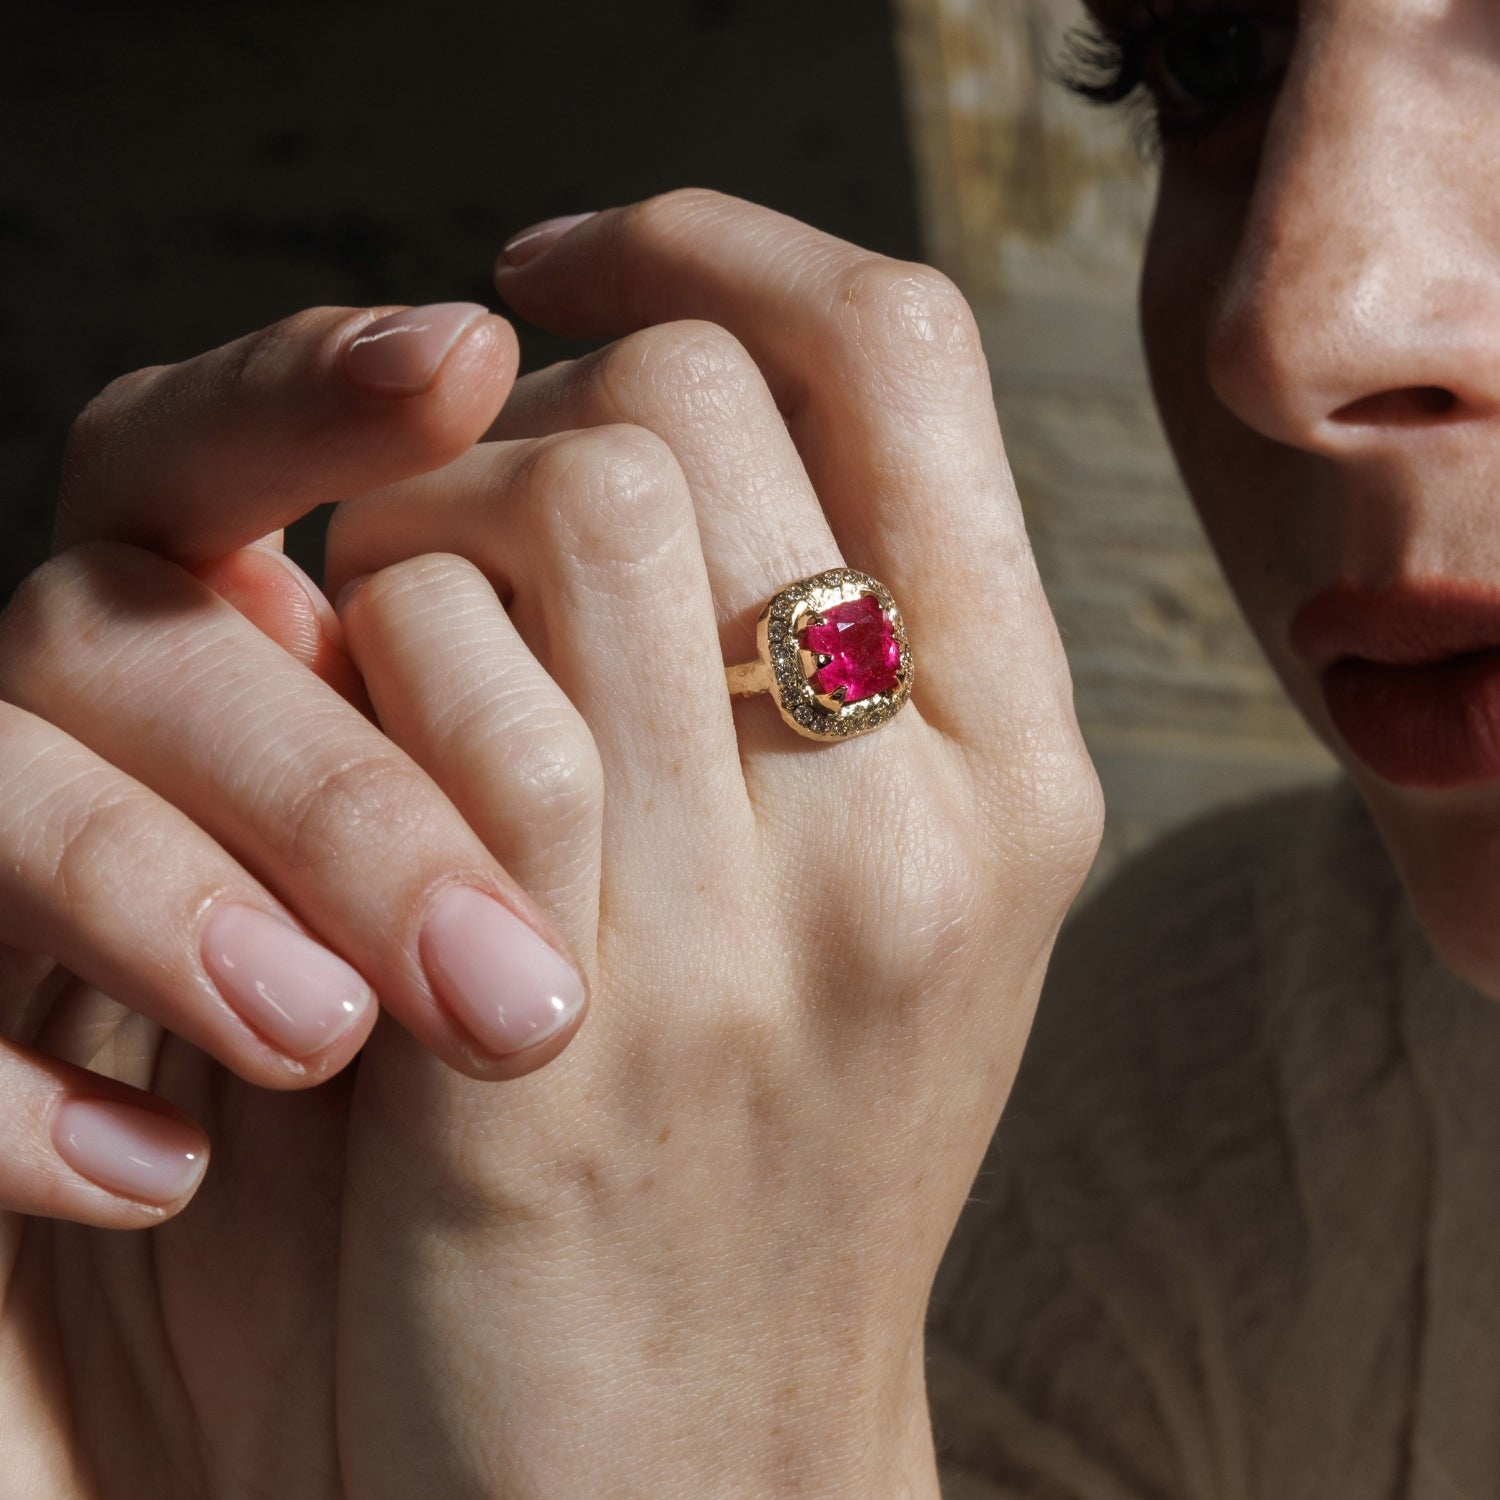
point(1446, 848)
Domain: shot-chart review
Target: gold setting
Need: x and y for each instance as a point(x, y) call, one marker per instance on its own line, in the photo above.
point(785, 668)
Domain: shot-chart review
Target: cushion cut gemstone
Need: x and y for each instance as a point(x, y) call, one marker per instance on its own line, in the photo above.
point(864, 654)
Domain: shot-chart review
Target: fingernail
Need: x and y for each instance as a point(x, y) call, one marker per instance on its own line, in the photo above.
point(401, 353)
point(530, 243)
point(135, 1152)
point(315, 596)
point(293, 991)
point(506, 986)
point(348, 591)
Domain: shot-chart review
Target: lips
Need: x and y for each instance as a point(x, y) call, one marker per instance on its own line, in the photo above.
point(1411, 677)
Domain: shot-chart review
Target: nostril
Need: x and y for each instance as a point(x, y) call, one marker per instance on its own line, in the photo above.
point(1409, 405)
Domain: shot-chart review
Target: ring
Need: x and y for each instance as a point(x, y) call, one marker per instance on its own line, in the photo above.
point(833, 655)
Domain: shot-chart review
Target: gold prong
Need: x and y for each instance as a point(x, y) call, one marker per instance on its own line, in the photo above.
point(833, 701)
point(812, 661)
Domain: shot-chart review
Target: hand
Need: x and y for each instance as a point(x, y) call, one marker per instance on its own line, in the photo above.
point(210, 860)
point(693, 1257)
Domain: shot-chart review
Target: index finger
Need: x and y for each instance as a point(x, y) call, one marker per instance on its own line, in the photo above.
point(877, 366)
point(196, 459)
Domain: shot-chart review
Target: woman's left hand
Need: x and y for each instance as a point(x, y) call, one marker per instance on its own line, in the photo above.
point(692, 1256)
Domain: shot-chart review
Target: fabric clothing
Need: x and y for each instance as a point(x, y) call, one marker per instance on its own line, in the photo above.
point(1238, 1234)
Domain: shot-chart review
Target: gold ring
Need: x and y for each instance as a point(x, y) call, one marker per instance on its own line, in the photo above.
point(833, 655)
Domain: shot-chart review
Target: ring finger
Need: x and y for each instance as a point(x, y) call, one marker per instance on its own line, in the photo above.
point(696, 387)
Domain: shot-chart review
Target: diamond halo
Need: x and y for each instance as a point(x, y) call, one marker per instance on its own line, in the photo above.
point(778, 632)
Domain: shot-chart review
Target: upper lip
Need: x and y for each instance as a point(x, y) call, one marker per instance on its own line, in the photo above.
point(1402, 624)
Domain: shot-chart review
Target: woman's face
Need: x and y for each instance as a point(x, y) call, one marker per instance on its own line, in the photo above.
point(1321, 307)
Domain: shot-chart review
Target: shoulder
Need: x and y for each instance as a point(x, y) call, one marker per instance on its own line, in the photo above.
point(1137, 1208)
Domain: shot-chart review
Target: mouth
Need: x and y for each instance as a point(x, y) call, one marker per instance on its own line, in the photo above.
point(1411, 677)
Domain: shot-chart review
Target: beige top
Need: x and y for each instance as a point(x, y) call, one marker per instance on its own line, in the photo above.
point(1238, 1237)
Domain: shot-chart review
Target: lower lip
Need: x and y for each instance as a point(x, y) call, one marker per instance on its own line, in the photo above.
point(1425, 726)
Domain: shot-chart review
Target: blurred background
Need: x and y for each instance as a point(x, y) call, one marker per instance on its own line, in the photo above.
point(174, 174)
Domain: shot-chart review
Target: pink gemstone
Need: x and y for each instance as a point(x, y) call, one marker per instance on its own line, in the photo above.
point(865, 654)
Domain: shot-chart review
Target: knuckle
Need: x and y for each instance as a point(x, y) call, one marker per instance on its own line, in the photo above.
point(1078, 821)
point(616, 494)
point(906, 314)
point(262, 361)
point(369, 799)
point(434, 580)
point(102, 422)
point(1059, 814)
point(556, 771)
point(61, 607)
point(691, 367)
point(669, 216)
point(80, 834)
point(35, 602)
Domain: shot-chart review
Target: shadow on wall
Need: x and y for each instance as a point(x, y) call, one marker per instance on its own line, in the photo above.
point(175, 175)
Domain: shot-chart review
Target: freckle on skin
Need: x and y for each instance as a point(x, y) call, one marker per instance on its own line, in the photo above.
point(665, 1136)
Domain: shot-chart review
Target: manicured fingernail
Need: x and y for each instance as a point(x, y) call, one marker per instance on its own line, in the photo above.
point(293, 991)
point(348, 591)
point(401, 353)
point(506, 986)
point(315, 596)
point(135, 1152)
point(530, 243)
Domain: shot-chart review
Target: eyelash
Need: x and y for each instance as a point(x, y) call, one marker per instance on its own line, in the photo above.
point(1111, 65)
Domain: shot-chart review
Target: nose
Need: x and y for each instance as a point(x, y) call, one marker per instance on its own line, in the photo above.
point(1362, 303)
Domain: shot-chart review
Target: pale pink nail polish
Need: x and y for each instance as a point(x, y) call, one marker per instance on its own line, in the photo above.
point(503, 984)
point(135, 1152)
point(293, 991)
point(529, 243)
point(401, 353)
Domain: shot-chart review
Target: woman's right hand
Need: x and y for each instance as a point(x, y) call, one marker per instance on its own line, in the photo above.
point(211, 863)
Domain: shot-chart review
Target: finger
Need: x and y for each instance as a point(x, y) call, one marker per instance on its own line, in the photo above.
point(89, 1149)
point(456, 687)
point(197, 459)
point(133, 657)
point(878, 368)
point(590, 539)
point(131, 896)
point(276, 596)
point(695, 386)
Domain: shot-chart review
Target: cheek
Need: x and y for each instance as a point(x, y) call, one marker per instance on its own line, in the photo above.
point(1181, 267)
point(1184, 261)
point(1255, 498)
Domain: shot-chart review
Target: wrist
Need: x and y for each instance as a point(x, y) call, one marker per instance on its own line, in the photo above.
point(580, 1417)
point(774, 1438)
